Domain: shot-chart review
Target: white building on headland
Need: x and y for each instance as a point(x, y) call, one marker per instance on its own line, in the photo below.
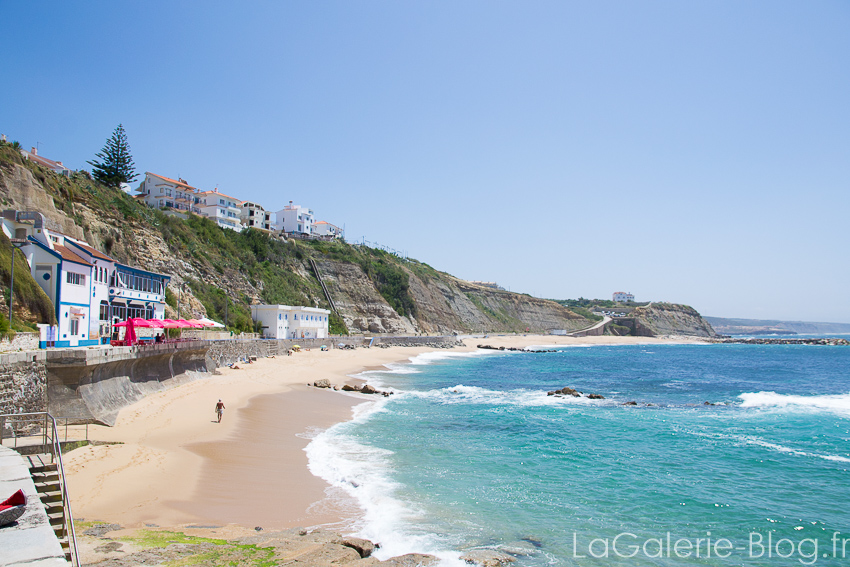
point(161, 192)
point(288, 322)
point(90, 291)
point(253, 215)
point(623, 297)
point(223, 209)
point(294, 220)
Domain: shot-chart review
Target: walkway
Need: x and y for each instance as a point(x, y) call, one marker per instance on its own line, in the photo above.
point(30, 541)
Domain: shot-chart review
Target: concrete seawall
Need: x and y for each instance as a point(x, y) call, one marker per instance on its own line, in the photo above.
point(93, 384)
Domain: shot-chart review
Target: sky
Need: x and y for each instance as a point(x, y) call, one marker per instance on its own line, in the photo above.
point(692, 152)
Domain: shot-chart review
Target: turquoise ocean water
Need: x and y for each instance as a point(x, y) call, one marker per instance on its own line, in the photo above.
point(471, 453)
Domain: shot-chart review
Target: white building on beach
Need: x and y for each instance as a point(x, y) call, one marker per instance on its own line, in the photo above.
point(288, 322)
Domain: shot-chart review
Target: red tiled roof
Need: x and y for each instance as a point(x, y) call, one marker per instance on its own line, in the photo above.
point(205, 193)
point(172, 181)
point(67, 254)
point(96, 253)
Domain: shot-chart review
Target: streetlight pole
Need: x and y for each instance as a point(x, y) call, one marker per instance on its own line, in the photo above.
point(16, 244)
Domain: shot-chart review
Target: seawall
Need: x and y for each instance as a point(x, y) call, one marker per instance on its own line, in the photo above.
point(91, 385)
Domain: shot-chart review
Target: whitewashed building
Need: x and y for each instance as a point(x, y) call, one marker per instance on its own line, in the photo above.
point(288, 322)
point(253, 215)
point(623, 297)
point(223, 209)
point(90, 291)
point(294, 220)
point(161, 192)
point(327, 230)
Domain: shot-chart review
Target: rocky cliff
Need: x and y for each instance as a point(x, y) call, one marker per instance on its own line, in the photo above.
point(373, 291)
point(658, 319)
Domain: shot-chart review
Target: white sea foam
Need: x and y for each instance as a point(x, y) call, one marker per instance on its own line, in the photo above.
point(432, 357)
point(754, 440)
point(364, 473)
point(839, 403)
point(462, 394)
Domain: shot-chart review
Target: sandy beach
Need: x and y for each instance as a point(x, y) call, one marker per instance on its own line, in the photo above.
point(175, 466)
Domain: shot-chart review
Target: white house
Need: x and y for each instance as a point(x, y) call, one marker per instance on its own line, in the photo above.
point(254, 215)
point(623, 297)
point(288, 322)
point(161, 192)
point(294, 220)
point(223, 209)
point(326, 229)
point(90, 291)
point(55, 166)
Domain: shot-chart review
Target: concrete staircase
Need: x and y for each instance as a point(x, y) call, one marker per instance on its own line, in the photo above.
point(45, 476)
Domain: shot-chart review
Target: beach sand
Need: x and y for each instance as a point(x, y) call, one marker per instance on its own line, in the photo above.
point(176, 466)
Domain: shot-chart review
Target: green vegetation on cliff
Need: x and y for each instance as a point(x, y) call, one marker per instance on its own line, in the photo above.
point(211, 267)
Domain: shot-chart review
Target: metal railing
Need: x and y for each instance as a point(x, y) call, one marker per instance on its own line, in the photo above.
point(42, 426)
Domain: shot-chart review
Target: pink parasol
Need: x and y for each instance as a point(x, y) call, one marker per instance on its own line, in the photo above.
point(156, 323)
point(170, 324)
point(184, 323)
point(196, 323)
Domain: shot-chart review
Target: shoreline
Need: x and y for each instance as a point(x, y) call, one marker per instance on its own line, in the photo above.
point(177, 468)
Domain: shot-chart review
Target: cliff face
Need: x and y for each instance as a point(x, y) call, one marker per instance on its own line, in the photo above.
point(250, 267)
point(670, 319)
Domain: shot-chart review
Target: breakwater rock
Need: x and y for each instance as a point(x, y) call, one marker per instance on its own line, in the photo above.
point(566, 391)
point(515, 349)
point(784, 341)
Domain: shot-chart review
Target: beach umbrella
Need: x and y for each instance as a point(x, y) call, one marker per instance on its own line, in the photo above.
point(210, 323)
point(156, 323)
point(170, 324)
point(185, 324)
point(295, 347)
point(196, 322)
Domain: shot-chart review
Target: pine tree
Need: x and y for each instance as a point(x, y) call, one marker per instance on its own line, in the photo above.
point(116, 164)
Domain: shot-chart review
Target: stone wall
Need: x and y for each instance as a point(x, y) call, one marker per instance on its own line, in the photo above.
point(23, 386)
point(21, 341)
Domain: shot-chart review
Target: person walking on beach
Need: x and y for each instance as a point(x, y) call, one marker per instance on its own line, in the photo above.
point(219, 409)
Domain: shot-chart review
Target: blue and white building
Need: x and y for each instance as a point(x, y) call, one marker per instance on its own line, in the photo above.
point(90, 291)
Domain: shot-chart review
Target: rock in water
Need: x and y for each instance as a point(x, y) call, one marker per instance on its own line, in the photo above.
point(362, 546)
point(487, 557)
point(596, 397)
point(323, 383)
point(347, 388)
point(367, 389)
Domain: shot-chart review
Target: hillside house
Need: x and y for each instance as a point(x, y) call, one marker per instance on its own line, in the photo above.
point(623, 297)
point(254, 215)
point(90, 291)
point(223, 209)
point(294, 220)
point(55, 166)
point(327, 230)
point(288, 322)
point(161, 192)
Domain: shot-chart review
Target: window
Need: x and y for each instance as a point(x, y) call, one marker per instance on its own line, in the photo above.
point(76, 279)
point(104, 311)
point(75, 326)
point(221, 201)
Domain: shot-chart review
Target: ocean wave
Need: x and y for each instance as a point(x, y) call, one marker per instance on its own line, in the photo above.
point(435, 356)
point(838, 403)
point(756, 441)
point(364, 473)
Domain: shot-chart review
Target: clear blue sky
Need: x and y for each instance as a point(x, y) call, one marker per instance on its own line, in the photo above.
point(695, 152)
